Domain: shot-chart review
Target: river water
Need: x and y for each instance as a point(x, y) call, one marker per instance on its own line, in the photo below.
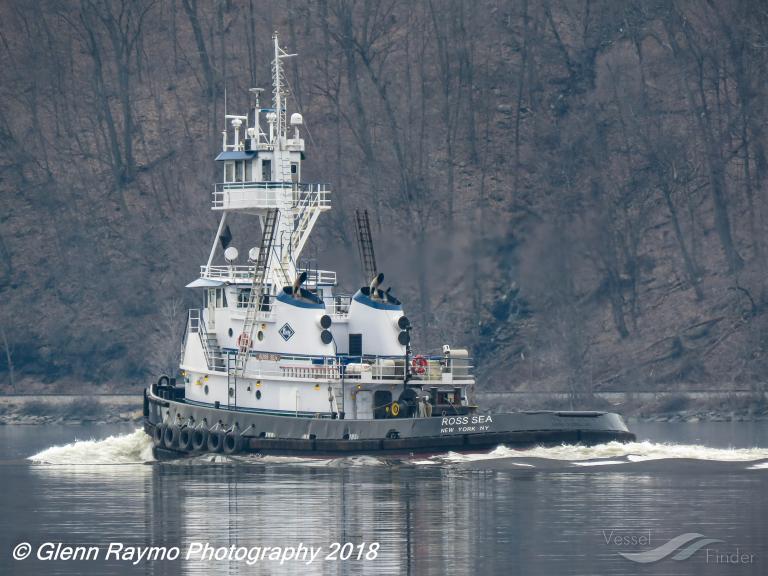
point(695, 490)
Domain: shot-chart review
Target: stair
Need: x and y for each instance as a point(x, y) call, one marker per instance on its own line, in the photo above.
point(257, 290)
point(211, 349)
point(214, 356)
point(309, 212)
point(338, 394)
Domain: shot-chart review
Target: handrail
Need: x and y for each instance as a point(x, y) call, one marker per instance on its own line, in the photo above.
point(270, 194)
point(196, 324)
point(360, 368)
point(245, 272)
point(295, 186)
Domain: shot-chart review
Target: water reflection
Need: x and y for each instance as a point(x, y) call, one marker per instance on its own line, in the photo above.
point(485, 517)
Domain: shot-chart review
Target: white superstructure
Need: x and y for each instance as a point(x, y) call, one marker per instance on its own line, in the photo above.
point(273, 335)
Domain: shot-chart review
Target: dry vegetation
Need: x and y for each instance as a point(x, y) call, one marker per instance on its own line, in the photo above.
point(576, 190)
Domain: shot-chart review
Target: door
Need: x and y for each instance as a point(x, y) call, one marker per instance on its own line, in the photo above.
point(355, 344)
point(211, 320)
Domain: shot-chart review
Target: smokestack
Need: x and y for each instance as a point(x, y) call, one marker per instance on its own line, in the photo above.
point(300, 279)
point(375, 284)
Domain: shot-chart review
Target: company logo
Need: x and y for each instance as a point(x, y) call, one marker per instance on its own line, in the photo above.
point(683, 547)
point(679, 548)
point(286, 332)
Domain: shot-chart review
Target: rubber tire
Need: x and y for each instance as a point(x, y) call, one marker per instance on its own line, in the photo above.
point(200, 439)
point(157, 435)
point(232, 443)
point(185, 439)
point(215, 441)
point(171, 436)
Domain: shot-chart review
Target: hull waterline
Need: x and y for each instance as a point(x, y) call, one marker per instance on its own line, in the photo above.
point(237, 431)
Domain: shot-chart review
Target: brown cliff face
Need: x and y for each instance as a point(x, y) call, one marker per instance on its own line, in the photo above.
point(576, 191)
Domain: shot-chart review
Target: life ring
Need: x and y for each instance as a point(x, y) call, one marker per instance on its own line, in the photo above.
point(419, 364)
point(244, 341)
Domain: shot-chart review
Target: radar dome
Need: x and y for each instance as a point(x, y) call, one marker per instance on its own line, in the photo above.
point(297, 119)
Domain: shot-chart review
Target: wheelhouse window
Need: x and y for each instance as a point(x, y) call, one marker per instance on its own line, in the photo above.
point(243, 297)
point(266, 170)
point(229, 171)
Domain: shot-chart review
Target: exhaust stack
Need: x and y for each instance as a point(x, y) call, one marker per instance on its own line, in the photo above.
point(300, 279)
point(375, 284)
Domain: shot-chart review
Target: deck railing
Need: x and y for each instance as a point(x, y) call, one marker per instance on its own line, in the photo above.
point(438, 369)
point(232, 195)
point(245, 272)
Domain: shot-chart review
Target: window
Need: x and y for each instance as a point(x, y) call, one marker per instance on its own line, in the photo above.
point(294, 172)
point(220, 298)
point(229, 171)
point(243, 297)
point(249, 171)
point(239, 171)
point(266, 170)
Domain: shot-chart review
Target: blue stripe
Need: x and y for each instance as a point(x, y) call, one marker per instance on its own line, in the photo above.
point(339, 356)
point(378, 304)
point(283, 297)
point(258, 410)
point(235, 155)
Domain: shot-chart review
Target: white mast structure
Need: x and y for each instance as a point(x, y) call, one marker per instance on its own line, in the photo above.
point(262, 175)
point(278, 185)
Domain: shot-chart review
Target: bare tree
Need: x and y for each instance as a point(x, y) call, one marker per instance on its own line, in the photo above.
point(7, 348)
point(166, 337)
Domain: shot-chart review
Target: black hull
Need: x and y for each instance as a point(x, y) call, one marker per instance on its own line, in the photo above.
point(259, 433)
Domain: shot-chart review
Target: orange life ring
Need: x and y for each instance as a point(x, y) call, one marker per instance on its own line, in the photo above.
point(419, 364)
point(244, 341)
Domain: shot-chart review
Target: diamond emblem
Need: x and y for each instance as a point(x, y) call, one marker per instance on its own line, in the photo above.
point(286, 332)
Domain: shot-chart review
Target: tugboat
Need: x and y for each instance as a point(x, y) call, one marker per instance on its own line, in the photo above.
point(278, 361)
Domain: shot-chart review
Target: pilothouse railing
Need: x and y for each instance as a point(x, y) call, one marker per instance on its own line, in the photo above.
point(232, 195)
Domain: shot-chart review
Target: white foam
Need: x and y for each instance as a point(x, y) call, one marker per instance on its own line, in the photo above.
point(134, 448)
point(632, 451)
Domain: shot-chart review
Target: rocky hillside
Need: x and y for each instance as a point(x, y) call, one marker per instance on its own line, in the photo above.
point(575, 190)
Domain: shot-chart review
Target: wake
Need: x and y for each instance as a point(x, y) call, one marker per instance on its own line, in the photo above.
point(136, 448)
point(133, 448)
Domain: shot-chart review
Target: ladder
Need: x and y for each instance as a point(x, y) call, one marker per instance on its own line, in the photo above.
point(257, 290)
point(365, 244)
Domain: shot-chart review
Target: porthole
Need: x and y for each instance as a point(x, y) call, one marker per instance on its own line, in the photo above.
point(206, 389)
point(260, 335)
point(258, 394)
point(230, 332)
